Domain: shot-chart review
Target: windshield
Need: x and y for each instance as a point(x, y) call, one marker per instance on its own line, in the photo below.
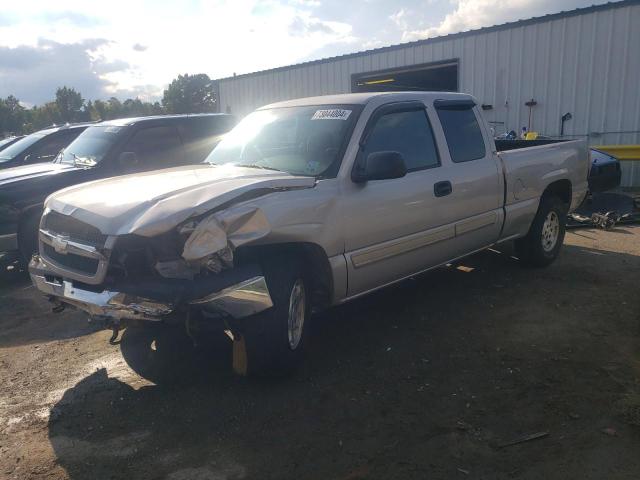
point(4, 141)
point(297, 140)
point(20, 146)
point(90, 147)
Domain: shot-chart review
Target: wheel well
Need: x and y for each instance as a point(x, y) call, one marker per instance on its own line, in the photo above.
point(560, 189)
point(313, 258)
point(25, 216)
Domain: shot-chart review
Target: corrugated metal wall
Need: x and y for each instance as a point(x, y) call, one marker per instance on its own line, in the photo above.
point(587, 64)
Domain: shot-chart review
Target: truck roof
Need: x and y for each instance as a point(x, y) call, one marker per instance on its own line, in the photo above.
point(364, 98)
point(121, 122)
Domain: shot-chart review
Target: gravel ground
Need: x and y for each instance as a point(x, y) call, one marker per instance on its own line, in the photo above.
point(428, 379)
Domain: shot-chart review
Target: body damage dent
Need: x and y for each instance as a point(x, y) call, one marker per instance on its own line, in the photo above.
point(155, 205)
point(225, 229)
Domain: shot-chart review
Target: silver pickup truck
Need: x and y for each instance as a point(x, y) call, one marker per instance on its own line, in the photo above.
point(306, 204)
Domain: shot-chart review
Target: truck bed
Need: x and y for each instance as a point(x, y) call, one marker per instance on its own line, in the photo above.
point(503, 145)
point(528, 170)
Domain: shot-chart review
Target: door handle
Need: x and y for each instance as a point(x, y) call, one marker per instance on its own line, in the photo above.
point(442, 189)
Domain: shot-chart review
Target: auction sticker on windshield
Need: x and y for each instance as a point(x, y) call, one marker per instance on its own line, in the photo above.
point(331, 114)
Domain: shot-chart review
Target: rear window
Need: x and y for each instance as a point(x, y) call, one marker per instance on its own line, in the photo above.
point(463, 134)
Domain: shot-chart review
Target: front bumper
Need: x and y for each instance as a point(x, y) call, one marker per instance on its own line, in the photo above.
point(237, 295)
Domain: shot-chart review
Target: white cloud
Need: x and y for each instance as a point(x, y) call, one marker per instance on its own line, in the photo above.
point(473, 14)
point(399, 18)
point(217, 37)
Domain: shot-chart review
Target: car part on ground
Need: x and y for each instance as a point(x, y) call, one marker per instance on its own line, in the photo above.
point(605, 210)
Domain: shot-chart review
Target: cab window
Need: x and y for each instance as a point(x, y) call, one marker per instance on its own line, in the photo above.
point(408, 133)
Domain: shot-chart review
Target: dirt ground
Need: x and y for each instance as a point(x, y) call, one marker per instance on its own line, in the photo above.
point(428, 379)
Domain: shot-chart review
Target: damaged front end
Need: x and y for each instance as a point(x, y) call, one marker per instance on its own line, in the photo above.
point(131, 277)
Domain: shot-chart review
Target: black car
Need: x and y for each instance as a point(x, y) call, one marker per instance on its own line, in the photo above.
point(605, 173)
point(8, 141)
point(103, 150)
point(41, 146)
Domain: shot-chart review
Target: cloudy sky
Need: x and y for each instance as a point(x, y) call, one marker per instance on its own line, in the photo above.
point(135, 47)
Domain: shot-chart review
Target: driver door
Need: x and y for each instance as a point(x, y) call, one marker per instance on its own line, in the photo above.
point(396, 227)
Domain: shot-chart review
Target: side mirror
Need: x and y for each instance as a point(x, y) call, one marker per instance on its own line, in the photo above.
point(27, 159)
point(380, 166)
point(127, 160)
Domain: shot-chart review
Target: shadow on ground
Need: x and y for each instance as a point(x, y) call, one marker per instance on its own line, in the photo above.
point(425, 379)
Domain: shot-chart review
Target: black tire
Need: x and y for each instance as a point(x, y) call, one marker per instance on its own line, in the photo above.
point(28, 235)
point(265, 345)
point(535, 249)
point(160, 353)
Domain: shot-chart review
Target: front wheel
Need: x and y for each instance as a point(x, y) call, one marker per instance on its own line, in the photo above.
point(272, 343)
point(542, 244)
point(28, 235)
point(161, 353)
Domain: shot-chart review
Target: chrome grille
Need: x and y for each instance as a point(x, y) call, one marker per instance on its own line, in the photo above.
point(85, 265)
point(73, 228)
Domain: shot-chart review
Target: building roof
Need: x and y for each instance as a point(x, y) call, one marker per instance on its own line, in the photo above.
point(451, 36)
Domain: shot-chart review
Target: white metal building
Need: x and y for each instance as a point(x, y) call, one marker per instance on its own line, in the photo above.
point(585, 62)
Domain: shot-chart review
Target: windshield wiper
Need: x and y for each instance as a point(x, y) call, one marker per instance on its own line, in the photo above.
point(261, 167)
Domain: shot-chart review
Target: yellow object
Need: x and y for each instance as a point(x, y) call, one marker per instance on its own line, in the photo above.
point(621, 152)
point(375, 82)
point(531, 136)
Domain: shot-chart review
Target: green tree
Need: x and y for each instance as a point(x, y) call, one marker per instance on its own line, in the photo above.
point(46, 115)
point(69, 103)
point(12, 115)
point(190, 94)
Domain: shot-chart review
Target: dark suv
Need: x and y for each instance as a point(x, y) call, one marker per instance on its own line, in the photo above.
point(105, 149)
point(40, 146)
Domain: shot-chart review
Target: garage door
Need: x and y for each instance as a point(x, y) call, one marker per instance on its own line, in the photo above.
point(440, 77)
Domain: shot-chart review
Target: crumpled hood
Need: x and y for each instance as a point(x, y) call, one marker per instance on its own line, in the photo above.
point(151, 203)
point(25, 172)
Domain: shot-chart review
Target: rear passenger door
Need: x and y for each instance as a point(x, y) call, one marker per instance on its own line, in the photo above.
point(155, 148)
point(477, 189)
point(202, 134)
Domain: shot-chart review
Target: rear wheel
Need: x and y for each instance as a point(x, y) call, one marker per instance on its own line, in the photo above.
point(542, 244)
point(272, 343)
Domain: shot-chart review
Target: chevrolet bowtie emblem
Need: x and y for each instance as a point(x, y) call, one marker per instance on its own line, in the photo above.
point(60, 244)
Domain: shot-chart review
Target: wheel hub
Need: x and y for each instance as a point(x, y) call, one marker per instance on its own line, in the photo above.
point(297, 310)
point(550, 231)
